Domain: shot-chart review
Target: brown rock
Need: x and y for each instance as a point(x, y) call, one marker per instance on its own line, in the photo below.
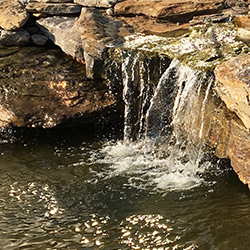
point(176, 11)
point(151, 26)
point(243, 24)
point(47, 90)
point(97, 3)
point(233, 86)
point(53, 8)
point(98, 32)
point(13, 15)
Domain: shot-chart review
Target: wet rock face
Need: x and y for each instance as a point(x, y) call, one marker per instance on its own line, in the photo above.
point(47, 90)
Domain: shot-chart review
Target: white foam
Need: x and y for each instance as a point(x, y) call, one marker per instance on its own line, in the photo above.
point(150, 163)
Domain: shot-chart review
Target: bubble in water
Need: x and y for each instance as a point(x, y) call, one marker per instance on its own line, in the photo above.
point(152, 162)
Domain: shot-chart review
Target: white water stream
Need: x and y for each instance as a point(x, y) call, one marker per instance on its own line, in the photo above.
point(162, 158)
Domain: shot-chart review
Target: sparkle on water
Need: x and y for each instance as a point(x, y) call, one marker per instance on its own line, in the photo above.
point(68, 193)
point(74, 191)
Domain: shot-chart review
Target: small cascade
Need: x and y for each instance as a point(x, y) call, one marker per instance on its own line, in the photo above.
point(140, 75)
point(164, 124)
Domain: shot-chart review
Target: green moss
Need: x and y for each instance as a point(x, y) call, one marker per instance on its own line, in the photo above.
point(205, 47)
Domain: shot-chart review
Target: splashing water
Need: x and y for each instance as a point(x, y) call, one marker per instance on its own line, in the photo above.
point(162, 157)
point(152, 162)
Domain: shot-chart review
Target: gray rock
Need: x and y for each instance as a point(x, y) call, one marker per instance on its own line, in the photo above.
point(61, 31)
point(32, 30)
point(14, 38)
point(13, 15)
point(53, 8)
point(39, 39)
point(97, 3)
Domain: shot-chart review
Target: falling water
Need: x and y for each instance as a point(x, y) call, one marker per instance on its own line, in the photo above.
point(159, 148)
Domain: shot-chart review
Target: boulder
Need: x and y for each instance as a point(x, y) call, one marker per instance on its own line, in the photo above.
point(233, 86)
point(13, 15)
point(48, 90)
point(175, 11)
point(61, 31)
point(53, 9)
point(20, 37)
point(98, 32)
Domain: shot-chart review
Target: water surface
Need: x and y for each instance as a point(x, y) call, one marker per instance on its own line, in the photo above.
point(75, 191)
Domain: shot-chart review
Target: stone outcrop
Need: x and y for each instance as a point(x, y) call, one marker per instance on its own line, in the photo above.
point(13, 15)
point(98, 32)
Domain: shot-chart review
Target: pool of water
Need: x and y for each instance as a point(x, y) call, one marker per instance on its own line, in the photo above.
point(69, 190)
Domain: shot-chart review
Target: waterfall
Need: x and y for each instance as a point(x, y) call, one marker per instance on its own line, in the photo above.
point(164, 123)
point(140, 74)
point(152, 108)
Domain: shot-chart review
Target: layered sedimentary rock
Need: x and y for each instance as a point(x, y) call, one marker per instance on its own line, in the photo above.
point(233, 87)
point(98, 32)
point(177, 11)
